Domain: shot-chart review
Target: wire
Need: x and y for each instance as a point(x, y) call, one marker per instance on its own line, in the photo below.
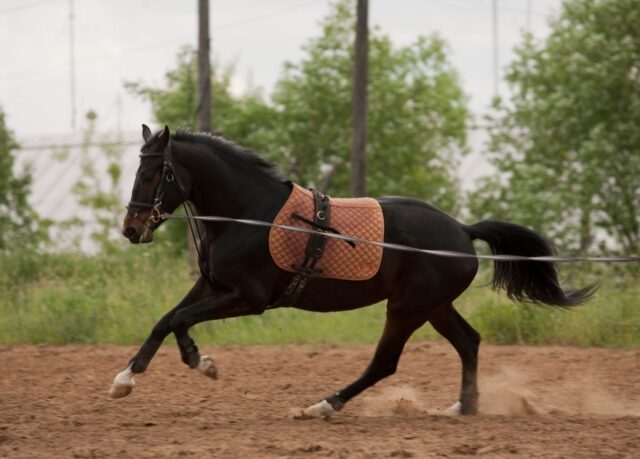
point(146, 47)
point(267, 15)
point(404, 248)
point(24, 7)
point(124, 143)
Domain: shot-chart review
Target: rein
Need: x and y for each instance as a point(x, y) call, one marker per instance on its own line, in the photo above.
point(169, 176)
point(405, 248)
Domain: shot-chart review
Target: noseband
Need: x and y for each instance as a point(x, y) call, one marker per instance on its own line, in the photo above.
point(169, 176)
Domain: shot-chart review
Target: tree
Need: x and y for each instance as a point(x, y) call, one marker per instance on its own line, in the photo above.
point(417, 113)
point(20, 227)
point(247, 120)
point(567, 145)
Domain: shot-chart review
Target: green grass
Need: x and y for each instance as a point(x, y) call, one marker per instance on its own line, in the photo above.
point(117, 298)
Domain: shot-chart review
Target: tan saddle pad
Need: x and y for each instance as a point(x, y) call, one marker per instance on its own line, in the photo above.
point(359, 217)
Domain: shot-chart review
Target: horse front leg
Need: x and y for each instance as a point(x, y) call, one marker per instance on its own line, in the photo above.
point(190, 355)
point(223, 306)
point(123, 382)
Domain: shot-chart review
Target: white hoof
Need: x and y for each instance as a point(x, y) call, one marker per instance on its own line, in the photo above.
point(122, 384)
point(319, 410)
point(453, 410)
point(207, 366)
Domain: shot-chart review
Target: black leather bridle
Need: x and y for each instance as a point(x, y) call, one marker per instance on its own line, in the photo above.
point(168, 176)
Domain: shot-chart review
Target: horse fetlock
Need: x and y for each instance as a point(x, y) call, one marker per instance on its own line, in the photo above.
point(469, 403)
point(207, 366)
point(122, 384)
point(189, 352)
point(469, 407)
point(192, 359)
point(324, 409)
point(453, 410)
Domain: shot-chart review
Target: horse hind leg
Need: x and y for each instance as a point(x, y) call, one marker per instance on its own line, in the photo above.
point(399, 326)
point(466, 341)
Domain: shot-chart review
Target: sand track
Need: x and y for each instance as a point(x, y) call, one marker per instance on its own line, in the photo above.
point(536, 402)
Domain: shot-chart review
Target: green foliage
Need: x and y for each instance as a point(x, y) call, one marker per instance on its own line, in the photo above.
point(568, 143)
point(20, 227)
point(246, 119)
point(417, 112)
point(102, 198)
point(117, 297)
point(416, 115)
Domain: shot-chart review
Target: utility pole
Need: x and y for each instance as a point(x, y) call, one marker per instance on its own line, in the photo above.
point(203, 109)
point(72, 65)
point(496, 64)
point(359, 102)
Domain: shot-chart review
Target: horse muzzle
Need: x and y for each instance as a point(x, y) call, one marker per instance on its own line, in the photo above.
point(137, 230)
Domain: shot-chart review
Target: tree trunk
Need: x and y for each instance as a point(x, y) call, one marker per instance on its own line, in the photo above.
point(359, 103)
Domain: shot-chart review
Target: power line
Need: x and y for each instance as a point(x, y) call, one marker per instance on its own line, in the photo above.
point(268, 15)
point(70, 146)
point(157, 44)
point(24, 7)
point(72, 59)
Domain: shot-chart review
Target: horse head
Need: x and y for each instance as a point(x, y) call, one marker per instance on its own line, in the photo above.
point(157, 188)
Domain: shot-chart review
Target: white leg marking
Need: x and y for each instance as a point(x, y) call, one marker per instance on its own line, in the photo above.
point(453, 410)
point(207, 366)
point(122, 384)
point(319, 410)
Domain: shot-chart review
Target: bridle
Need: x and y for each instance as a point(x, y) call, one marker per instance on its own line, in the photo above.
point(168, 176)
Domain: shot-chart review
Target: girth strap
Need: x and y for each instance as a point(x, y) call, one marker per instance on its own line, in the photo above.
point(313, 252)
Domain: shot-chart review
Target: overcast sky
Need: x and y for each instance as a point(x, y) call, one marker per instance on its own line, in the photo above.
point(137, 40)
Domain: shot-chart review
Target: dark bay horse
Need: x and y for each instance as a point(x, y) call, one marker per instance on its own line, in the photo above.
point(220, 178)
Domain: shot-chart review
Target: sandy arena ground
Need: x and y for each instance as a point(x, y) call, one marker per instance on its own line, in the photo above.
point(535, 402)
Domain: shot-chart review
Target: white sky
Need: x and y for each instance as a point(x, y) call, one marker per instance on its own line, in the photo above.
point(137, 40)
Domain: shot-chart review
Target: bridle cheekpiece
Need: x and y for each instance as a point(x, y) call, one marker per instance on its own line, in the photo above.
point(169, 176)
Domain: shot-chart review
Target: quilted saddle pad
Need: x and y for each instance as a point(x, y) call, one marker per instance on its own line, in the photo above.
point(359, 217)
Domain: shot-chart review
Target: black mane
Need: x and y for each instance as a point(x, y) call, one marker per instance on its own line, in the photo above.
point(232, 150)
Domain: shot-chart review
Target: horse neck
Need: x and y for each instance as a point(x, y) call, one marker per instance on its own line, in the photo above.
point(223, 187)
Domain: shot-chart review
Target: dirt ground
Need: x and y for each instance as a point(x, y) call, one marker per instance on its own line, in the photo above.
point(535, 402)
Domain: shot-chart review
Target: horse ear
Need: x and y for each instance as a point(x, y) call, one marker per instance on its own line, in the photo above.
point(146, 132)
point(164, 137)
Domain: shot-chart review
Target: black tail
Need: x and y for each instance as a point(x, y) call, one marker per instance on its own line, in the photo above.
point(525, 281)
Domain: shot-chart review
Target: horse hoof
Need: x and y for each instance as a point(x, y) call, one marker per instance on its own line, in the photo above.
point(453, 410)
point(207, 366)
point(120, 390)
point(122, 384)
point(319, 410)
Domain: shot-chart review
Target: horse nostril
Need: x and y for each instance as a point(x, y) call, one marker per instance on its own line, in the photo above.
point(129, 232)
